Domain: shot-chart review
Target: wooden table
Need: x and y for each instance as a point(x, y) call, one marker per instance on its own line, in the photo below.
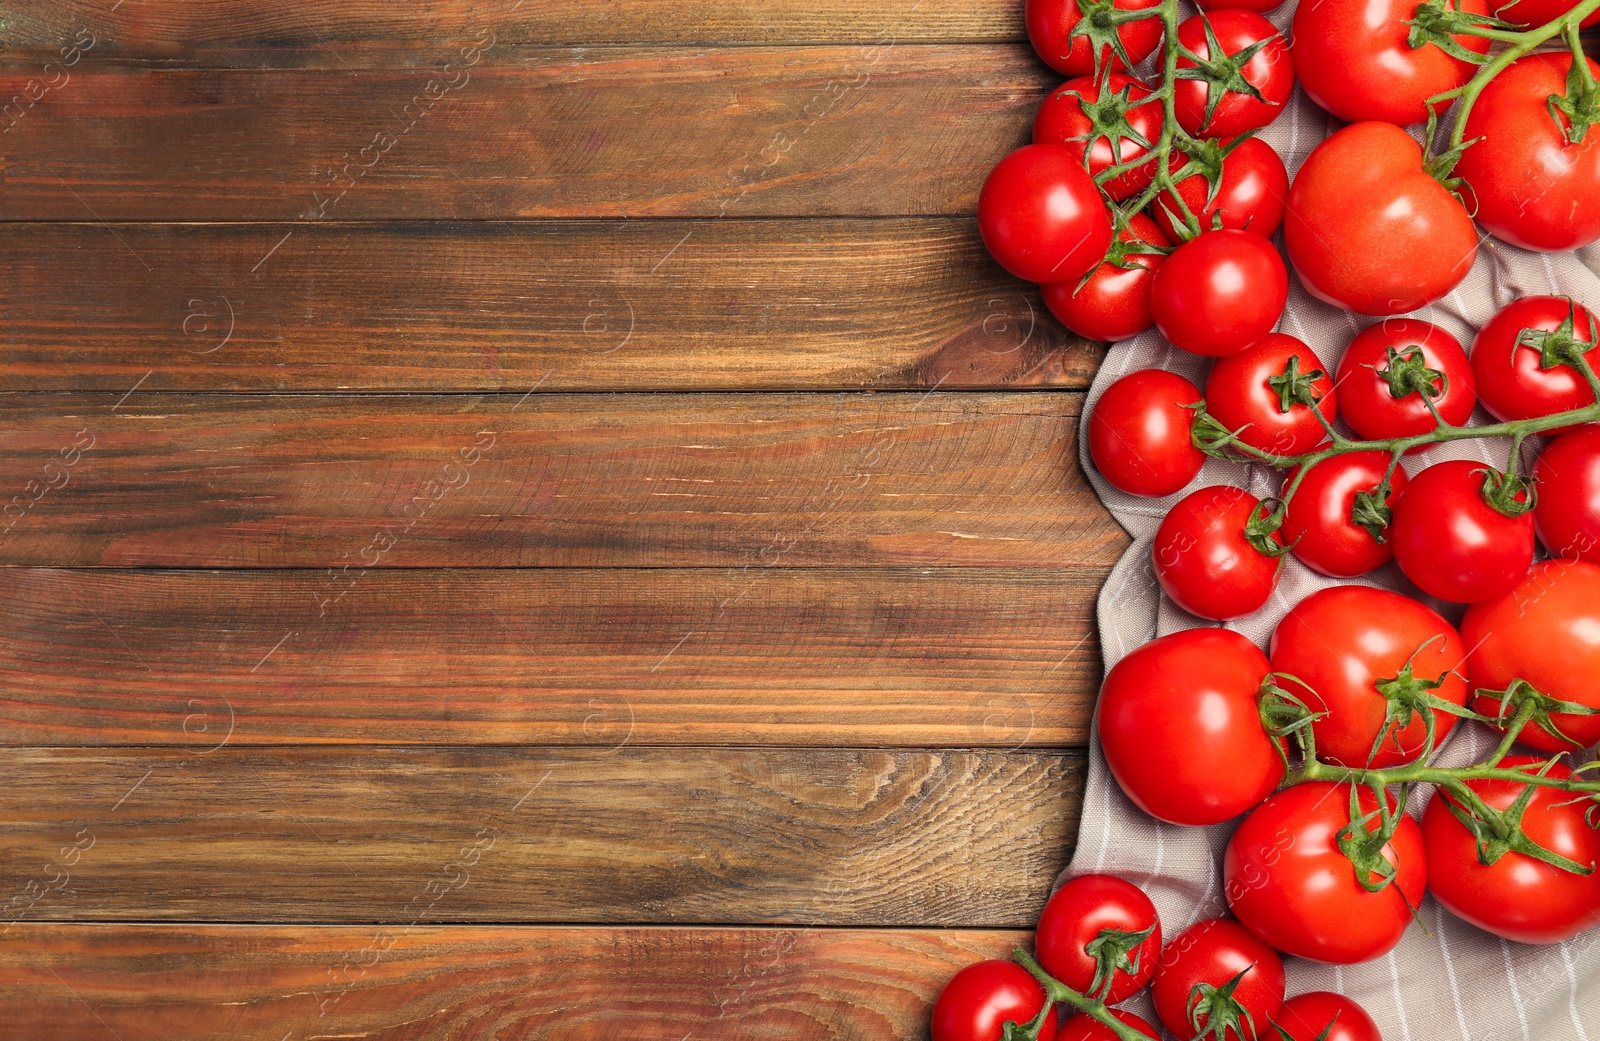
point(526, 520)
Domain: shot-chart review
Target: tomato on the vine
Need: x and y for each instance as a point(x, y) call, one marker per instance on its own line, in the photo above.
point(1530, 14)
point(1321, 1015)
point(1567, 512)
point(1452, 543)
point(1069, 939)
point(1227, 108)
point(1209, 955)
point(1249, 194)
point(1320, 522)
point(1051, 22)
point(1270, 393)
point(1086, 1028)
point(982, 998)
point(1139, 433)
point(1114, 303)
point(1219, 292)
point(1041, 215)
point(1519, 897)
point(1204, 558)
point(1512, 380)
point(1387, 368)
point(1180, 728)
point(1368, 229)
point(1061, 120)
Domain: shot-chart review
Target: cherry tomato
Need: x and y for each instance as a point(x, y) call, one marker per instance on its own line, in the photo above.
point(1248, 390)
point(1074, 917)
point(1518, 897)
point(1085, 1028)
point(1208, 955)
point(1180, 728)
point(1288, 881)
point(982, 998)
point(1452, 543)
point(1270, 71)
point(1050, 24)
point(1344, 643)
point(1355, 61)
point(1139, 433)
point(1528, 184)
point(1305, 1017)
point(1511, 379)
point(1545, 632)
point(1368, 230)
point(1219, 292)
point(1114, 303)
point(1567, 512)
point(1041, 215)
point(1319, 522)
point(1380, 394)
point(1061, 120)
point(1250, 194)
point(1530, 14)
point(1203, 560)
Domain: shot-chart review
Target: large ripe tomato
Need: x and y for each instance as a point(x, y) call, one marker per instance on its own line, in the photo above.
point(1344, 643)
point(1203, 560)
point(1306, 1017)
point(1250, 193)
point(1201, 961)
point(1072, 921)
point(1258, 392)
point(1545, 632)
point(1114, 303)
point(1530, 186)
point(1512, 381)
point(1084, 1028)
point(1567, 513)
point(1061, 120)
point(1219, 292)
point(1139, 433)
point(1180, 728)
point(1289, 882)
point(982, 998)
point(1518, 897)
point(1041, 215)
point(1355, 62)
point(1383, 369)
point(1532, 13)
point(1270, 71)
point(1368, 230)
point(1319, 522)
point(1452, 543)
point(1050, 24)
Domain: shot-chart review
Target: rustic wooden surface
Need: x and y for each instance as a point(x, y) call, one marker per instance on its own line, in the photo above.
point(384, 656)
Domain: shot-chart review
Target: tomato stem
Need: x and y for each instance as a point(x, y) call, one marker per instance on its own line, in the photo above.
point(1058, 992)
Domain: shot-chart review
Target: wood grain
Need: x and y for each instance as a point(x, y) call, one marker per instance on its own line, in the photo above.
point(639, 480)
point(411, 836)
point(614, 132)
point(647, 305)
point(767, 656)
point(217, 983)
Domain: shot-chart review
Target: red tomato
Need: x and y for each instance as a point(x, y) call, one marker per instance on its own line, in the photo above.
point(1305, 1017)
point(1219, 292)
point(1203, 560)
point(1379, 407)
point(1248, 390)
point(1259, 6)
point(1518, 897)
point(1342, 644)
point(1527, 184)
point(1180, 728)
point(1567, 512)
point(1114, 303)
point(1208, 955)
point(1319, 524)
point(982, 998)
point(1085, 1028)
point(1050, 24)
point(1061, 120)
point(1270, 71)
point(1288, 881)
point(1512, 380)
point(1250, 194)
point(1073, 919)
point(1532, 13)
point(1355, 62)
point(1368, 230)
point(1452, 543)
point(1041, 215)
point(1545, 632)
point(1139, 433)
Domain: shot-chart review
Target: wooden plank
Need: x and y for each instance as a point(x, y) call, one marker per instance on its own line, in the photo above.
point(637, 480)
point(652, 305)
point(615, 132)
point(874, 658)
point(71, 982)
point(411, 836)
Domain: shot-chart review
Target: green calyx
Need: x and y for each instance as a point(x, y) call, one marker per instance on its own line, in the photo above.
point(1561, 345)
point(1371, 511)
point(1408, 697)
point(1364, 845)
point(1294, 387)
point(1215, 1013)
point(1521, 701)
point(1222, 73)
point(1113, 951)
point(1579, 108)
point(1507, 493)
point(1261, 530)
point(1498, 832)
point(1108, 118)
point(1099, 24)
point(1406, 371)
point(1438, 23)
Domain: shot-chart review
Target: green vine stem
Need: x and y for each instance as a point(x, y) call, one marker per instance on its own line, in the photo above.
point(1059, 993)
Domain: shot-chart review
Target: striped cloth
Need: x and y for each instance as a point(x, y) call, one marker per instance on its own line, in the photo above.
point(1447, 979)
